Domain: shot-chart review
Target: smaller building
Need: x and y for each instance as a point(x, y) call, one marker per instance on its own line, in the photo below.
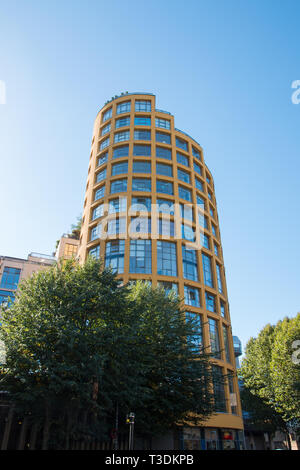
point(67, 247)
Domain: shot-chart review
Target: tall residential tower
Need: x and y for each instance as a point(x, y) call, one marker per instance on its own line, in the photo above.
point(150, 212)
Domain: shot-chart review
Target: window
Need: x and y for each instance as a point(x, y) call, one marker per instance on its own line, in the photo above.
point(141, 184)
point(183, 176)
point(10, 278)
point(141, 105)
point(164, 206)
point(140, 225)
point(198, 184)
point(216, 249)
point(214, 230)
point(202, 220)
point(186, 212)
point(6, 297)
point(166, 227)
point(189, 260)
point(210, 302)
point(121, 151)
point(95, 252)
point(102, 159)
point(142, 150)
point(232, 394)
point(184, 193)
point(142, 121)
point(163, 123)
point(140, 204)
point(105, 129)
point(162, 169)
point(121, 136)
point(116, 226)
point(123, 122)
point(182, 144)
point(168, 286)
point(114, 255)
point(99, 193)
point(124, 107)
point(187, 232)
point(101, 176)
point(182, 159)
point(197, 168)
point(208, 179)
point(219, 278)
point(164, 187)
point(163, 138)
point(196, 340)
point(214, 338)
point(98, 212)
point(119, 168)
point(142, 135)
point(191, 296)
point(205, 241)
point(70, 250)
point(118, 186)
point(104, 144)
point(211, 211)
point(219, 390)
point(107, 115)
point(117, 205)
point(196, 153)
point(140, 256)
point(141, 167)
point(223, 311)
point(200, 202)
point(209, 195)
point(226, 343)
point(162, 152)
point(166, 258)
point(95, 232)
point(207, 271)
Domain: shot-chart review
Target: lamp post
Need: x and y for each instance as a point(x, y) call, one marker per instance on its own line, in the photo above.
point(130, 420)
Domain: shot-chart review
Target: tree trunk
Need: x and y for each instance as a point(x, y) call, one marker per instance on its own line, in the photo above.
point(46, 430)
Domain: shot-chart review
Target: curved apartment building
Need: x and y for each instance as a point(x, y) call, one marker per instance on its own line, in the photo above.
point(150, 212)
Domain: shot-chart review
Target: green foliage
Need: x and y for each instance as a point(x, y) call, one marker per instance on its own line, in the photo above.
point(270, 375)
point(75, 327)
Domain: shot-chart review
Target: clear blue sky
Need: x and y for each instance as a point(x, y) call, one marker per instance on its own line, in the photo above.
point(223, 68)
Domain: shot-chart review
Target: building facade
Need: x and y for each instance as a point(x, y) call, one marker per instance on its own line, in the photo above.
point(150, 212)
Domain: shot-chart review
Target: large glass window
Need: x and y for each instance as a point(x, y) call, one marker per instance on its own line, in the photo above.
point(140, 225)
point(124, 107)
point(121, 151)
point(140, 204)
point(141, 167)
point(184, 193)
point(162, 152)
point(198, 184)
point(98, 212)
point(114, 255)
point(223, 308)
point(197, 168)
point(164, 187)
point(166, 227)
point(187, 232)
point(189, 260)
point(100, 193)
point(119, 168)
point(141, 184)
point(121, 136)
point(116, 226)
point(142, 121)
point(105, 129)
point(191, 296)
point(219, 390)
point(96, 232)
point(102, 159)
point(117, 205)
point(195, 340)
point(118, 186)
point(6, 297)
point(166, 258)
point(163, 137)
point(104, 144)
point(162, 169)
point(196, 153)
point(107, 115)
point(142, 105)
point(202, 220)
point(214, 338)
point(140, 256)
point(168, 286)
point(226, 343)
point(186, 212)
point(219, 278)
point(204, 240)
point(10, 278)
point(142, 135)
point(123, 122)
point(210, 301)
point(142, 150)
point(163, 123)
point(182, 159)
point(95, 252)
point(101, 176)
point(182, 144)
point(183, 176)
point(207, 271)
